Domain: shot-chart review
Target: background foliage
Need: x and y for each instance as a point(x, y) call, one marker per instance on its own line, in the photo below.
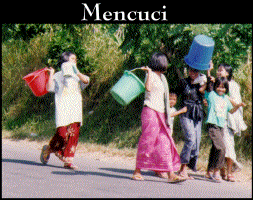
point(104, 51)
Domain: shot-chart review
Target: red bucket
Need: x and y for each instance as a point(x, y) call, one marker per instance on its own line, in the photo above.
point(37, 81)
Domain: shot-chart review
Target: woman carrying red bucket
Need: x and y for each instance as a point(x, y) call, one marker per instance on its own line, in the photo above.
point(37, 81)
point(67, 85)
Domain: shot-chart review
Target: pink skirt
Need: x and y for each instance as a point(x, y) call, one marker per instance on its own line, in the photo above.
point(156, 148)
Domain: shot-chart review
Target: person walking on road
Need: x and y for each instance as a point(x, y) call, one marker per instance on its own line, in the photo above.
point(156, 147)
point(67, 85)
point(219, 106)
point(233, 125)
point(192, 91)
point(174, 112)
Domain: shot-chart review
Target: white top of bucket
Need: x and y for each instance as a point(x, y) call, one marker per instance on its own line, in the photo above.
point(204, 40)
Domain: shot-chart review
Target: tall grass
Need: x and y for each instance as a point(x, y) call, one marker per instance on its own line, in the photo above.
point(18, 59)
point(105, 59)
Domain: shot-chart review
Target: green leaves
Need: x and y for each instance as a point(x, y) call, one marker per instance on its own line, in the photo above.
point(232, 42)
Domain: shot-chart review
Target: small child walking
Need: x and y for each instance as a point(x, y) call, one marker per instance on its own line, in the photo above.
point(174, 113)
point(173, 110)
point(219, 106)
point(67, 85)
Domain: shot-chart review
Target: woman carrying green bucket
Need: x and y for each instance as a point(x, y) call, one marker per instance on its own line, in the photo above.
point(156, 148)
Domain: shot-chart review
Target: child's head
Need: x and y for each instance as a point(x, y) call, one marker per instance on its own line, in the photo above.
point(158, 62)
point(173, 98)
point(67, 56)
point(221, 86)
point(225, 70)
point(193, 73)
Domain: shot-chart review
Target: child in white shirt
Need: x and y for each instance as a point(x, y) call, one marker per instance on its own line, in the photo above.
point(173, 110)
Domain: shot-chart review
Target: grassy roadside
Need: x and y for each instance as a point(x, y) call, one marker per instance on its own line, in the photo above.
point(129, 154)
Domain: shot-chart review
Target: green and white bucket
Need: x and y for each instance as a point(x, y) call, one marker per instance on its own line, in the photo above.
point(127, 88)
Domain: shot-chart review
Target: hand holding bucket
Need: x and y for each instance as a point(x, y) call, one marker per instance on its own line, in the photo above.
point(127, 88)
point(37, 81)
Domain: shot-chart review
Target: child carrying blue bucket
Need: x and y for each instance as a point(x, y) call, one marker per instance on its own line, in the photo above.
point(200, 53)
point(192, 90)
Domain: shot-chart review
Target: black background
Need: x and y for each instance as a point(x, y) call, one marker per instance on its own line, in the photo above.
point(73, 11)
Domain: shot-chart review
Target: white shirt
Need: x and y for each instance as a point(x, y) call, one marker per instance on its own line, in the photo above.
point(201, 79)
point(235, 120)
point(68, 99)
point(155, 98)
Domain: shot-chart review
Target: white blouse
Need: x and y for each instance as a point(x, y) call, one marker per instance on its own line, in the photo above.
point(155, 98)
point(235, 120)
point(68, 99)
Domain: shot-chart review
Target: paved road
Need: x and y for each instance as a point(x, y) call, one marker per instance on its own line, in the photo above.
point(23, 176)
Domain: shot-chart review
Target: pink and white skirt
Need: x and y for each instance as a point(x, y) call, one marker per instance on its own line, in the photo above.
point(156, 148)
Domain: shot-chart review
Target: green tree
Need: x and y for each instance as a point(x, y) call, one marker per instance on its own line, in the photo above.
point(232, 42)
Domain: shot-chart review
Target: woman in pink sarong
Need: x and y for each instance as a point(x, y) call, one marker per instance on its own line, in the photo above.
point(156, 147)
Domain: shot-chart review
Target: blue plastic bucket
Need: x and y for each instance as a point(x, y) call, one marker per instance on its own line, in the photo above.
point(200, 53)
point(127, 88)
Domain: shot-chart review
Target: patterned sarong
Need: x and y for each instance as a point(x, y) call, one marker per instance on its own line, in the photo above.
point(65, 141)
point(156, 147)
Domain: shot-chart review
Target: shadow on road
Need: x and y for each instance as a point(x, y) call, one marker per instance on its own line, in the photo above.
point(27, 162)
point(203, 178)
point(127, 171)
point(145, 173)
point(89, 173)
point(130, 172)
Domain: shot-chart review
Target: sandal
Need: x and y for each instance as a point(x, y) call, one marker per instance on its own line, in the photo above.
point(177, 179)
point(217, 178)
point(70, 166)
point(161, 175)
point(137, 177)
point(213, 178)
point(45, 155)
point(186, 176)
point(231, 178)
